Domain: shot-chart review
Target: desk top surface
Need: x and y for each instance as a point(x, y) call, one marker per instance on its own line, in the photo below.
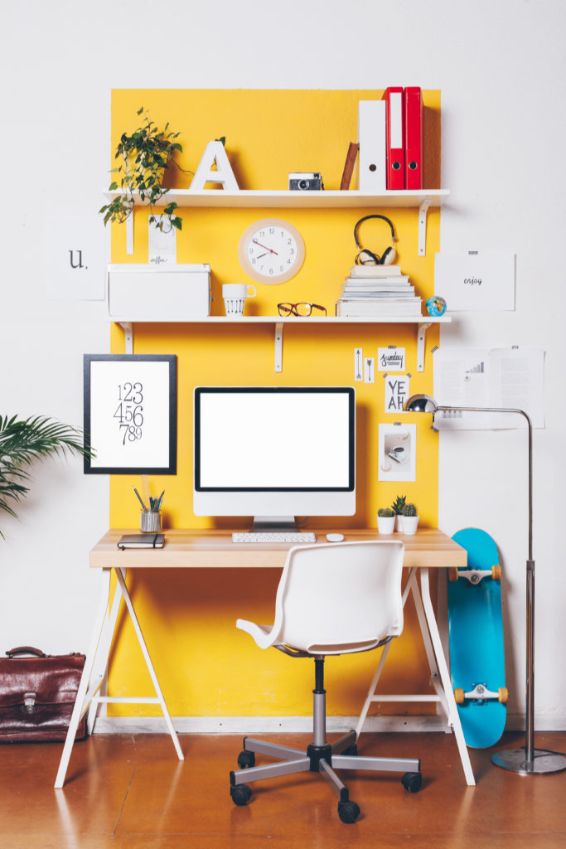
point(193, 549)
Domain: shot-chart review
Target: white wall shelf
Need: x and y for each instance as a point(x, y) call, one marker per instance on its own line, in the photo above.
point(285, 199)
point(422, 324)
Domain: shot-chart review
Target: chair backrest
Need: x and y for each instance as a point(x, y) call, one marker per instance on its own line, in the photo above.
point(345, 597)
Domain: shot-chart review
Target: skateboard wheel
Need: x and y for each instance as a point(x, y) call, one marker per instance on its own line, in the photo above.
point(496, 572)
point(459, 696)
point(452, 574)
point(503, 695)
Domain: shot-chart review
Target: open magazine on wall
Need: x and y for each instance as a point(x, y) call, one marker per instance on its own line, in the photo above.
point(512, 378)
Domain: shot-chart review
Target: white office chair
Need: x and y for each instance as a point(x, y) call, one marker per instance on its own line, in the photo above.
point(331, 599)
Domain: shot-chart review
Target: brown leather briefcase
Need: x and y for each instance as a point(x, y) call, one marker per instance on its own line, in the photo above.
point(37, 695)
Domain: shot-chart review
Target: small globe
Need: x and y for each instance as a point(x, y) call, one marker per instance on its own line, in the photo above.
point(436, 306)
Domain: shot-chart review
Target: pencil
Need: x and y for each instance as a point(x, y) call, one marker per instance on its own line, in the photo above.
point(140, 501)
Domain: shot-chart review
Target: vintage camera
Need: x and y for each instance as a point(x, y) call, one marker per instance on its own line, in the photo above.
point(306, 181)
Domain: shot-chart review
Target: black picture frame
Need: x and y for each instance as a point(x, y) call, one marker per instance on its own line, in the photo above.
point(170, 412)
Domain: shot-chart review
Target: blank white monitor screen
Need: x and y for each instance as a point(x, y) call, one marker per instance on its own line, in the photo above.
point(274, 439)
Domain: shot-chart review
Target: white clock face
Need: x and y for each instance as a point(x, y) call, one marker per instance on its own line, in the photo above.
point(272, 251)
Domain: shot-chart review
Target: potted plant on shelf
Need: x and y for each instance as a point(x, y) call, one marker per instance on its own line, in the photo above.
point(397, 508)
point(409, 519)
point(385, 521)
point(21, 442)
point(144, 156)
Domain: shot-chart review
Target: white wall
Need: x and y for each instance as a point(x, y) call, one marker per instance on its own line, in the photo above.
point(501, 67)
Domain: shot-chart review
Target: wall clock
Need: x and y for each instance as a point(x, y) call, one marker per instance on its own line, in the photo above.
point(272, 251)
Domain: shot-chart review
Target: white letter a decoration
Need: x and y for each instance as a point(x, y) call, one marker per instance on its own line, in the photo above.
point(214, 154)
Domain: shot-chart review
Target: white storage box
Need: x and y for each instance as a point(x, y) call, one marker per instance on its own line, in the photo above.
point(146, 293)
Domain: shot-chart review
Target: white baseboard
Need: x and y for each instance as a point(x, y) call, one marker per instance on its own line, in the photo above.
point(297, 724)
point(543, 722)
point(261, 724)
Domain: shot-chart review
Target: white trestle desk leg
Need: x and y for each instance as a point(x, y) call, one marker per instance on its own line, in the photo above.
point(84, 682)
point(429, 650)
point(445, 677)
point(100, 667)
point(148, 663)
point(371, 697)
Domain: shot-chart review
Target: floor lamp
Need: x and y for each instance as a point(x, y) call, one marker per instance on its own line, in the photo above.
point(526, 760)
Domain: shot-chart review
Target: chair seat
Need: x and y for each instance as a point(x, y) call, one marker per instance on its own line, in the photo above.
point(265, 638)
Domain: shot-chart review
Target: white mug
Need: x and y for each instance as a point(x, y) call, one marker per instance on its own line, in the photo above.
point(235, 295)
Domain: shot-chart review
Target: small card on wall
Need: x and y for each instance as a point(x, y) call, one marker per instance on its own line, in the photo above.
point(396, 392)
point(369, 370)
point(397, 456)
point(162, 245)
point(476, 280)
point(358, 364)
point(130, 413)
point(391, 359)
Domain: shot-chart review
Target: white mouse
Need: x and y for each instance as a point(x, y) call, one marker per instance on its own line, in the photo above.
point(334, 537)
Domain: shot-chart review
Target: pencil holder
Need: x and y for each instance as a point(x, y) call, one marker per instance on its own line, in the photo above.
point(150, 521)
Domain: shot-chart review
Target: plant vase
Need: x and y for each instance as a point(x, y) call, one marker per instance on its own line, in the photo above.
point(386, 525)
point(408, 525)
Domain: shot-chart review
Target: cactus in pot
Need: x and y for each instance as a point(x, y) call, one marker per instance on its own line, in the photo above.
point(409, 519)
point(385, 520)
point(397, 508)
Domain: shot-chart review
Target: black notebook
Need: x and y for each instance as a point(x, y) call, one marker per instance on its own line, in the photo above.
point(141, 541)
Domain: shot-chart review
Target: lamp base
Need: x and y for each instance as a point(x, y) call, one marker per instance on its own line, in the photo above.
point(543, 762)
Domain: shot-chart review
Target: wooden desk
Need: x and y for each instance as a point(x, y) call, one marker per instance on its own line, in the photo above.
point(186, 549)
point(215, 550)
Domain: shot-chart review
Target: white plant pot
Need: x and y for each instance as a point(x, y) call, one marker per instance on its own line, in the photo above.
point(409, 525)
point(398, 520)
point(385, 525)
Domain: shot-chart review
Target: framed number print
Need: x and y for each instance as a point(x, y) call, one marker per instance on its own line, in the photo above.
point(130, 413)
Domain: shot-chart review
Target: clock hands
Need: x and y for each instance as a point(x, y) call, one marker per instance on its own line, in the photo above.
point(271, 251)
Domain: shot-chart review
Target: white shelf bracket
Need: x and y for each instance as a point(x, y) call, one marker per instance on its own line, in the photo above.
point(278, 347)
point(130, 233)
point(421, 340)
point(128, 329)
point(423, 209)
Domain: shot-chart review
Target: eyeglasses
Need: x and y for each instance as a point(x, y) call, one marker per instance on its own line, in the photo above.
point(302, 309)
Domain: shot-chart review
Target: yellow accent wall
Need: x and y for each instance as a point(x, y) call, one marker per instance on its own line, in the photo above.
point(205, 666)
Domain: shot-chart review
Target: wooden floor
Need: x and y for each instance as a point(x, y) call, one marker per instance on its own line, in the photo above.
point(132, 793)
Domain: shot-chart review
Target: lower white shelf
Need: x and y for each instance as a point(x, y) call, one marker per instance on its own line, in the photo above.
point(421, 322)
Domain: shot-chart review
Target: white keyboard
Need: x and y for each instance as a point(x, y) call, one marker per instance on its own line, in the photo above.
point(266, 536)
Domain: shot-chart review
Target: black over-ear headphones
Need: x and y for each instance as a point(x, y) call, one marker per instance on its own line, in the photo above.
point(367, 257)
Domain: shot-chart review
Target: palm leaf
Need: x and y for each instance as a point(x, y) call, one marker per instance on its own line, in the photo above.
point(22, 442)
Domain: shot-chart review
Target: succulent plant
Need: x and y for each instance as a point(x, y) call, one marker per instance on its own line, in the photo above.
point(385, 513)
point(398, 504)
point(409, 510)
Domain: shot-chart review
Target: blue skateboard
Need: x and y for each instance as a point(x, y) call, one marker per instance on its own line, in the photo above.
point(475, 624)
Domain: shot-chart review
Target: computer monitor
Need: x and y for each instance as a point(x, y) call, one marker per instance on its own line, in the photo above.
point(274, 452)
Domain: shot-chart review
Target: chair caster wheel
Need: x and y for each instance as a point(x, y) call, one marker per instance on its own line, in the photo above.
point(246, 759)
point(348, 811)
point(412, 781)
point(240, 794)
point(351, 751)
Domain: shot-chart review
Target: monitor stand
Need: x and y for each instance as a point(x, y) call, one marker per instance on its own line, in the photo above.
point(274, 523)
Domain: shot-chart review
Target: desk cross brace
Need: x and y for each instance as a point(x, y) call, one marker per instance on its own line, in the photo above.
point(96, 664)
point(439, 674)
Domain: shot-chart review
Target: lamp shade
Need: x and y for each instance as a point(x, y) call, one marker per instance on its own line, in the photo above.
point(421, 404)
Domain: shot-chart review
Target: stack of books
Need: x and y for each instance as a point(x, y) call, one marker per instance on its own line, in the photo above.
point(378, 291)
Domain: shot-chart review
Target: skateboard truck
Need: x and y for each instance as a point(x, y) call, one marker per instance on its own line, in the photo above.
point(475, 576)
point(481, 693)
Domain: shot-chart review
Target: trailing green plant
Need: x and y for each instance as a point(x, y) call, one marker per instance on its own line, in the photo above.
point(385, 513)
point(22, 441)
point(409, 510)
point(145, 154)
point(398, 504)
